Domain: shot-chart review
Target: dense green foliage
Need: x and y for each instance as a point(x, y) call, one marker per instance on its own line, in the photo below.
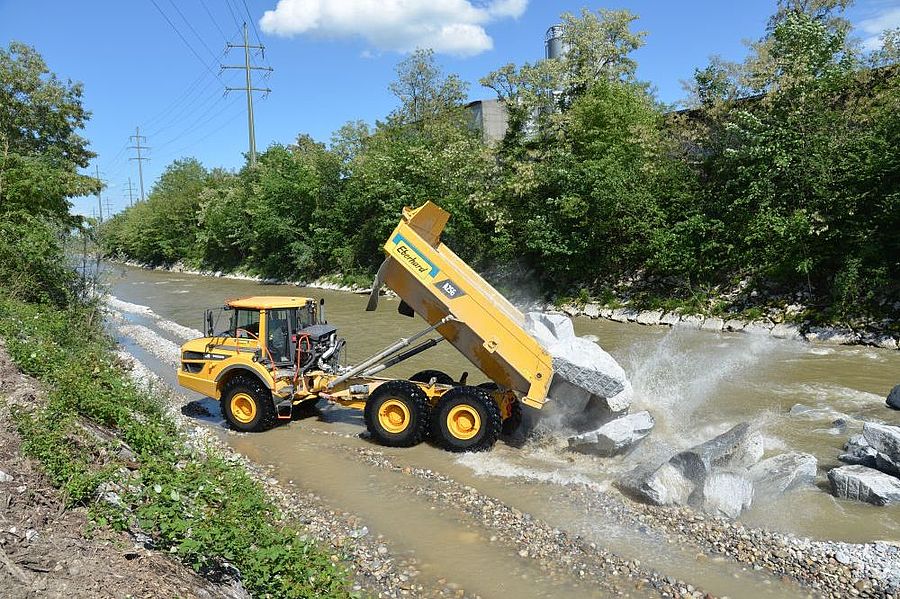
point(782, 174)
point(202, 509)
point(198, 507)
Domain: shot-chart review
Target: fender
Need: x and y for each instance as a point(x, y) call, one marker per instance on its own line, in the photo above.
point(255, 369)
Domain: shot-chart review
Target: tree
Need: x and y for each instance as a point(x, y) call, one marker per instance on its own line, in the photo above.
point(424, 90)
point(40, 147)
point(597, 49)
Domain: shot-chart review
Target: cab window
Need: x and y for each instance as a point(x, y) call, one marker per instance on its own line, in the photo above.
point(245, 324)
point(279, 325)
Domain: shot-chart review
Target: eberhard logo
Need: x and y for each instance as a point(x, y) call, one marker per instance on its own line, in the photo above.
point(418, 264)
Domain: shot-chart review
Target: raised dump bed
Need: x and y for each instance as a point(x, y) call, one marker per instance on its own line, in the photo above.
point(485, 327)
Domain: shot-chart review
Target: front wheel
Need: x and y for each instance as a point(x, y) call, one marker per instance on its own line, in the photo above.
point(397, 414)
point(466, 419)
point(247, 405)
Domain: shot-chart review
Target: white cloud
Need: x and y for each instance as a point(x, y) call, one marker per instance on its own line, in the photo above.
point(873, 27)
point(448, 26)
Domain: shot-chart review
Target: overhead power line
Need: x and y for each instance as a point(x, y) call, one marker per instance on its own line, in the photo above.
point(183, 39)
point(194, 31)
point(213, 19)
point(249, 68)
point(237, 22)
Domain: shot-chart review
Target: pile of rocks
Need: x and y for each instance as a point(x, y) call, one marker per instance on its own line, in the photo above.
point(873, 471)
point(589, 387)
point(590, 393)
point(722, 475)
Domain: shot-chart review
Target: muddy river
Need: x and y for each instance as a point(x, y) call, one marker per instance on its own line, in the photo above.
point(696, 384)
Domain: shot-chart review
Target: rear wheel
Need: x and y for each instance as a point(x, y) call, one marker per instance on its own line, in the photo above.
point(425, 376)
point(397, 414)
point(466, 419)
point(247, 405)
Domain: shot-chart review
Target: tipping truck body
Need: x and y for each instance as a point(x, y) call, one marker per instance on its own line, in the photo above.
point(486, 328)
point(280, 353)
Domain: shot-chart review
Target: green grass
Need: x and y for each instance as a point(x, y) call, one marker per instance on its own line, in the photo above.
point(200, 508)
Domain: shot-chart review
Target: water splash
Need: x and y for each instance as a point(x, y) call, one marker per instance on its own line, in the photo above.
point(675, 377)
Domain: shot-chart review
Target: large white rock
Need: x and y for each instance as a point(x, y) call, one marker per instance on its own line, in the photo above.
point(712, 324)
point(614, 437)
point(649, 317)
point(832, 336)
point(739, 446)
point(663, 485)
point(865, 484)
point(584, 374)
point(776, 475)
point(711, 476)
point(885, 440)
point(734, 325)
point(725, 493)
point(691, 321)
point(670, 318)
point(558, 325)
point(786, 331)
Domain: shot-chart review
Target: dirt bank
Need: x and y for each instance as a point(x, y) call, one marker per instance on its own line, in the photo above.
point(47, 550)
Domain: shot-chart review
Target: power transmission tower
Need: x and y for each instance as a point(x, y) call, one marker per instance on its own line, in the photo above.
point(99, 199)
point(137, 137)
point(249, 68)
point(130, 193)
point(108, 209)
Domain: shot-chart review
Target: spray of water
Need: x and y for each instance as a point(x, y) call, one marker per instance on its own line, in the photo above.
point(678, 379)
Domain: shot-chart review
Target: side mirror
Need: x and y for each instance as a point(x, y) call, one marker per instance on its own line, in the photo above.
point(209, 323)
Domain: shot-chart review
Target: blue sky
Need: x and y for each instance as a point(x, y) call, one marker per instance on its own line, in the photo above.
point(332, 60)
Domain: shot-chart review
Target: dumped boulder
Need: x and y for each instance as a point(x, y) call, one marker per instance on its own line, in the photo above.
point(660, 485)
point(739, 446)
point(558, 326)
point(615, 437)
point(893, 398)
point(861, 483)
point(885, 440)
point(778, 474)
point(857, 451)
point(585, 376)
point(711, 476)
point(726, 493)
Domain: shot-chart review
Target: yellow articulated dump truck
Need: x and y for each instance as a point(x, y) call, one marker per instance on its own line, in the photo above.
point(280, 352)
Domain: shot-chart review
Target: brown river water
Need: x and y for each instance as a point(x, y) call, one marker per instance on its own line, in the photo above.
point(695, 383)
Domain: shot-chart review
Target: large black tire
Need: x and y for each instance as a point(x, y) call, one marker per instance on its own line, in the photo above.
point(512, 423)
point(425, 376)
point(247, 404)
point(397, 414)
point(466, 419)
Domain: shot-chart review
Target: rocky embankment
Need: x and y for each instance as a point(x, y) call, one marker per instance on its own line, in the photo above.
point(776, 325)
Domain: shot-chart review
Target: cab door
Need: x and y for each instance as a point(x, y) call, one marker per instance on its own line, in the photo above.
point(279, 331)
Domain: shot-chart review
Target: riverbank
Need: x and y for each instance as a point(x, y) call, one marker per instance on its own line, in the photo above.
point(45, 547)
point(775, 324)
point(121, 452)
